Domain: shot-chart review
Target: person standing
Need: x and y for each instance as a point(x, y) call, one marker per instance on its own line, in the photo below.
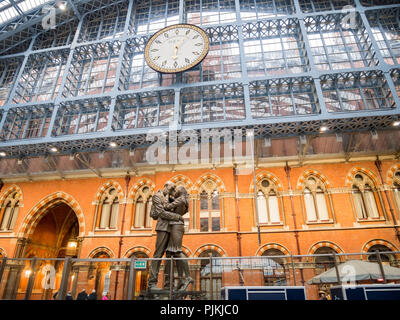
point(82, 295)
point(163, 217)
point(69, 296)
point(93, 295)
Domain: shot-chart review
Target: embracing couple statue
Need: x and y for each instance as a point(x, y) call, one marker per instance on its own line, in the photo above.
point(168, 207)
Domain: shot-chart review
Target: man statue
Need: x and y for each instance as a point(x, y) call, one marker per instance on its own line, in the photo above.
point(163, 217)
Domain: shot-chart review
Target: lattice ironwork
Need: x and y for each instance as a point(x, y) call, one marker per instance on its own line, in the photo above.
point(356, 91)
point(82, 116)
point(337, 46)
point(27, 122)
point(93, 69)
point(283, 67)
point(385, 27)
point(147, 109)
point(40, 79)
point(283, 97)
point(213, 103)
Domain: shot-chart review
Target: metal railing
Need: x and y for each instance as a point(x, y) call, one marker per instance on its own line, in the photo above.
point(126, 279)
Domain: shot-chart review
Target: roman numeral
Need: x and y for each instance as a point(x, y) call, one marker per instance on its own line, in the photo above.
point(175, 64)
point(157, 41)
point(198, 44)
point(196, 53)
point(164, 63)
point(196, 36)
point(176, 31)
point(166, 35)
point(187, 60)
point(187, 32)
point(154, 50)
point(156, 58)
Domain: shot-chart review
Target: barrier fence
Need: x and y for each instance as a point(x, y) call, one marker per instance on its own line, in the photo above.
point(126, 279)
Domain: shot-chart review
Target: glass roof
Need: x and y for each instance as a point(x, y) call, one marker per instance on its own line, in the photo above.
point(10, 9)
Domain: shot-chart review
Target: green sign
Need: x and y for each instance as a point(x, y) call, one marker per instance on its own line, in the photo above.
point(140, 264)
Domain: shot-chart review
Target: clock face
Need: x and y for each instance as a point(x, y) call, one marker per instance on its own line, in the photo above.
point(176, 48)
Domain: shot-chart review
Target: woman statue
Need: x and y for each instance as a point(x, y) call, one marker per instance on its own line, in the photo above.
point(180, 205)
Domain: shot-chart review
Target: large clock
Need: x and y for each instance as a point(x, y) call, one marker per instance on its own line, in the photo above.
point(176, 48)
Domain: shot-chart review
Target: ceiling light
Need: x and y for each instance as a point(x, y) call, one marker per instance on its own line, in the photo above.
point(113, 144)
point(323, 129)
point(2, 154)
point(62, 6)
point(53, 149)
point(250, 133)
point(396, 123)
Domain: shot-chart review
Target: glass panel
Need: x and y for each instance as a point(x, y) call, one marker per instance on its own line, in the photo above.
point(370, 203)
point(139, 212)
point(6, 217)
point(262, 208)
point(273, 208)
point(321, 203)
point(204, 224)
point(310, 206)
point(359, 203)
point(105, 214)
point(114, 214)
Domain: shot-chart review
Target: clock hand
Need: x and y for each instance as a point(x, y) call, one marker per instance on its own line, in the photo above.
point(176, 47)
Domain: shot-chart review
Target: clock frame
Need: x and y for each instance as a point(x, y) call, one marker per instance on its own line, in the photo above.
point(189, 66)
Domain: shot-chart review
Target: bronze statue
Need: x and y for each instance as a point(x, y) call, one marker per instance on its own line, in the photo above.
point(163, 217)
point(180, 205)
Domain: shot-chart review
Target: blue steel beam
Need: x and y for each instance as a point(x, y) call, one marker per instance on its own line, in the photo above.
point(274, 126)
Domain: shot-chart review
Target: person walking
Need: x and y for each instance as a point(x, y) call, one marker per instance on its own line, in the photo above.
point(82, 295)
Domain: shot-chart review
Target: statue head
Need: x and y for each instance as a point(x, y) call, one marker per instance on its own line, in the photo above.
point(180, 190)
point(169, 188)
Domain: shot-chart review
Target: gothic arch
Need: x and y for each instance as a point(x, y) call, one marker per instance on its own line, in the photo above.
point(3, 253)
point(374, 242)
point(269, 176)
point(101, 249)
point(328, 244)
point(303, 177)
point(390, 174)
point(187, 251)
point(36, 213)
point(352, 172)
point(10, 190)
point(135, 249)
point(139, 184)
point(268, 246)
point(212, 177)
point(185, 181)
point(210, 246)
point(107, 185)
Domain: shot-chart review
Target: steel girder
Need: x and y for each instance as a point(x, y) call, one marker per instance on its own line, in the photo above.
point(94, 103)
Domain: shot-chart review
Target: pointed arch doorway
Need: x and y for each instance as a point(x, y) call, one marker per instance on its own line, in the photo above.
point(52, 229)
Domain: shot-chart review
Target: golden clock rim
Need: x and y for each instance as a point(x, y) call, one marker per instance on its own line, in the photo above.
point(174, 26)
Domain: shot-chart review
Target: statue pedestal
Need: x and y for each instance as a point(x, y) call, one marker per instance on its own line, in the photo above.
point(176, 295)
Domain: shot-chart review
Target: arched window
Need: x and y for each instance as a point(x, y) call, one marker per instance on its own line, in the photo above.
point(386, 258)
point(315, 200)
point(108, 210)
point(325, 261)
point(9, 212)
point(210, 214)
point(396, 189)
point(142, 208)
point(268, 203)
point(274, 268)
point(212, 288)
point(364, 197)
